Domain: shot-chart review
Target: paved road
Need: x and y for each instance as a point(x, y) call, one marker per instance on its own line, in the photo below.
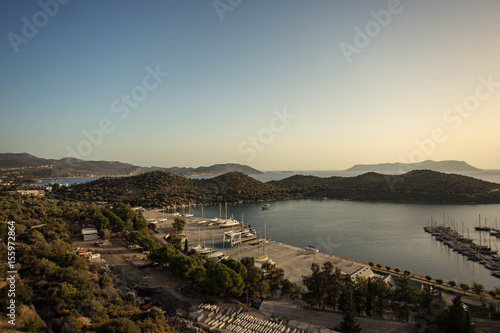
point(331, 319)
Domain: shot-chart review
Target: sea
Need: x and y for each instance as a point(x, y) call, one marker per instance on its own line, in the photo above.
point(387, 233)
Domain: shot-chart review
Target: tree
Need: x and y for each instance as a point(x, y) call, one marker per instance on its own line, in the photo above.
point(348, 323)
point(197, 275)
point(407, 297)
point(33, 325)
point(388, 268)
point(477, 288)
point(139, 222)
point(274, 276)
point(120, 325)
point(428, 278)
point(178, 224)
point(182, 265)
point(163, 254)
point(100, 221)
point(104, 280)
point(370, 297)
point(156, 314)
point(439, 281)
point(397, 270)
point(174, 241)
point(323, 285)
point(314, 295)
point(235, 265)
point(286, 287)
point(452, 283)
point(296, 291)
point(221, 279)
point(152, 226)
point(455, 319)
point(186, 246)
point(464, 286)
point(255, 283)
point(105, 234)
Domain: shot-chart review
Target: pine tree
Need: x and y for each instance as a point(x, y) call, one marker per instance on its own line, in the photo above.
point(348, 324)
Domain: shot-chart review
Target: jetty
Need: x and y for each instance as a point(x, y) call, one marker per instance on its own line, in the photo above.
point(483, 254)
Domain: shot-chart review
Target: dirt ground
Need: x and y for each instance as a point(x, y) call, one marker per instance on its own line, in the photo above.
point(164, 288)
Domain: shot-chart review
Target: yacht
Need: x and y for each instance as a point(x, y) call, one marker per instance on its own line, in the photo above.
point(229, 223)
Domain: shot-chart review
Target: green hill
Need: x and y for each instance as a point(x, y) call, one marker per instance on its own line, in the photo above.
point(160, 188)
point(419, 186)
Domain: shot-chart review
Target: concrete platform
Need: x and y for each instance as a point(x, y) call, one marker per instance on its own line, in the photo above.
point(295, 261)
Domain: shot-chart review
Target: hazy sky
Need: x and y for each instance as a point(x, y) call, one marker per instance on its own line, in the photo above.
point(278, 85)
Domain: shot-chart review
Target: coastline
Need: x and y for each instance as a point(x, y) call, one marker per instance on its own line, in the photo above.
point(295, 261)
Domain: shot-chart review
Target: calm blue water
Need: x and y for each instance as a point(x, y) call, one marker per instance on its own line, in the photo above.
point(69, 181)
point(385, 233)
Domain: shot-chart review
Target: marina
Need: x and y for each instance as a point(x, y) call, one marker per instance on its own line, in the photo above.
point(483, 254)
point(385, 233)
point(242, 241)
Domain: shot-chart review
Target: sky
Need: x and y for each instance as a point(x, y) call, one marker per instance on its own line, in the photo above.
point(277, 85)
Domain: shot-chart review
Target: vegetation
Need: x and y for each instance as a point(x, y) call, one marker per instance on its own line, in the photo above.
point(69, 294)
point(160, 188)
point(72, 295)
point(178, 224)
point(326, 288)
point(418, 186)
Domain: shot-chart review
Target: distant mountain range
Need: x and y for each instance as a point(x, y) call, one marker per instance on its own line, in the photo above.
point(36, 167)
point(441, 166)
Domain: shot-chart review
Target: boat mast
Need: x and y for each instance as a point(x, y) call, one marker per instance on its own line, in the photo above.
point(264, 245)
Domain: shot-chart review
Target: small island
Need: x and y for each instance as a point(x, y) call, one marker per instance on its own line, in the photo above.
point(441, 166)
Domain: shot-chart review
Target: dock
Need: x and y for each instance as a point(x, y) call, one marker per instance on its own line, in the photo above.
point(465, 246)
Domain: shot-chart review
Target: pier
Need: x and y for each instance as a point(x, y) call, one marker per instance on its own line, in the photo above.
point(465, 246)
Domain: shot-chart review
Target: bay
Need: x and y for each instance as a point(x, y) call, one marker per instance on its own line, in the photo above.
point(386, 233)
